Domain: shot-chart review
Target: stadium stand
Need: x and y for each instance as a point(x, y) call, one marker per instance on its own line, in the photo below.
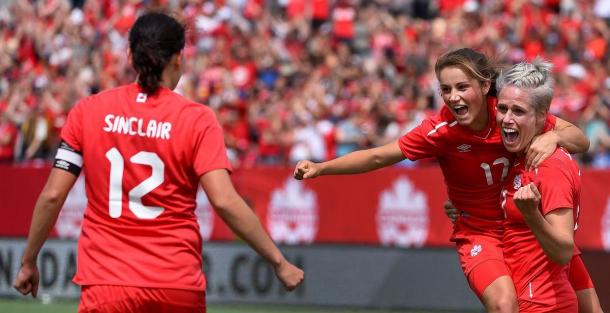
point(297, 79)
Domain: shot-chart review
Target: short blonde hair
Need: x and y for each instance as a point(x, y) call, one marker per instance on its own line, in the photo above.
point(535, 77)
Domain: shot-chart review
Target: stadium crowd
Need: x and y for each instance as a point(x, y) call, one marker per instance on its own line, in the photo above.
point(298, 79)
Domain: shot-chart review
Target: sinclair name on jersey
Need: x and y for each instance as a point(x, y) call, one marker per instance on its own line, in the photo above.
point(136, 126)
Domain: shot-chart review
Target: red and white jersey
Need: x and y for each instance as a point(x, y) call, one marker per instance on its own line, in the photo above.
point(343, 17)
point(474, 164)
point(558, 180)
point(143, 157)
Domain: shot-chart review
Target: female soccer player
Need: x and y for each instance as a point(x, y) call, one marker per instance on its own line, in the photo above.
point(541, 205)
point(144, 150)
point(465, 140)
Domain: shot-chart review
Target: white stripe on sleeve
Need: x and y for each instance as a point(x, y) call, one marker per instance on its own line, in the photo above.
point(70, 156)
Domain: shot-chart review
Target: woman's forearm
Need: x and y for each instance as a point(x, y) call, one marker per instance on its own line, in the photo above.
point(571, 137)
point(46, 210)
point(557, 240)
point(45, 215)
point(363, 160)
point(243, 222)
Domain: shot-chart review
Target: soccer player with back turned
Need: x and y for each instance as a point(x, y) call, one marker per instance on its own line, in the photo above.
point(145, 150)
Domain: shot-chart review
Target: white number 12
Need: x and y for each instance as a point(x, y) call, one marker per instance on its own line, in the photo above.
point(115, 197)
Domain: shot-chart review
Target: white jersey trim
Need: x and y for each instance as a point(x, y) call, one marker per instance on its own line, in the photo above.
point(436, 128)
point(441, 124)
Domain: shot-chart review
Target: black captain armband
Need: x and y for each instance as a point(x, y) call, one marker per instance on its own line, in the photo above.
point(68, 159)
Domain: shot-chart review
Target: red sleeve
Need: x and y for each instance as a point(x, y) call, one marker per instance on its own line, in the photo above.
point(550, 122)
point(423, 141)
point(72, 131)
point(209, 147)
point(555, 183)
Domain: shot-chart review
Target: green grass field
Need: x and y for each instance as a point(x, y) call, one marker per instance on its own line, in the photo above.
point(35, 306)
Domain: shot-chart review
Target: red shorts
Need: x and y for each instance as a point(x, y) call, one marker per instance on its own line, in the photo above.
point(532, 307)
point(548, 293)
point(578, 274)
point(479, 247)
point(117, 299)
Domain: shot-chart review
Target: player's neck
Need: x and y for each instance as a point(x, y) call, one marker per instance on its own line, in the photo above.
point(481, 123)
point(170, 76)
point(172, 72)
point(167, 81)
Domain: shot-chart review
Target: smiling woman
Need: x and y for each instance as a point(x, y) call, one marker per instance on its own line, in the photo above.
point(525, 96)
point(465, 97)
point(465, 78)
point(466, 141)
point(541, 206)
point(520, 121)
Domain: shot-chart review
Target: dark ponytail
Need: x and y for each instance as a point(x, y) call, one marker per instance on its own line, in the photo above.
point(153, 40)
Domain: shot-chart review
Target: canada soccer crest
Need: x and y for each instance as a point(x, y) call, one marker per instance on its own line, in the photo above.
point(517, 182)
point(70, 219)
point(205, 215)
point(292, 216)
point(605, 227)
point(402, 216)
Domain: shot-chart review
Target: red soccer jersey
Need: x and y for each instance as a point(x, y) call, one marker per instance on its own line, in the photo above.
point(537, 278)
point(474, 164)
point(143, 157)
point(9, 130)
point(343, 21)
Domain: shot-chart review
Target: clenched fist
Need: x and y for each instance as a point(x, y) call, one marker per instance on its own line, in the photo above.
point(290, 275)
point(27, 279)
point(306, 169)
point(527, 199)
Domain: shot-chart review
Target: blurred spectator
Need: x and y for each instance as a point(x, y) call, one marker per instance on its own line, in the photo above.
point(35, 132)
point(298, 78)
point(307, 142)
point(8, 137)
point(597, 127)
